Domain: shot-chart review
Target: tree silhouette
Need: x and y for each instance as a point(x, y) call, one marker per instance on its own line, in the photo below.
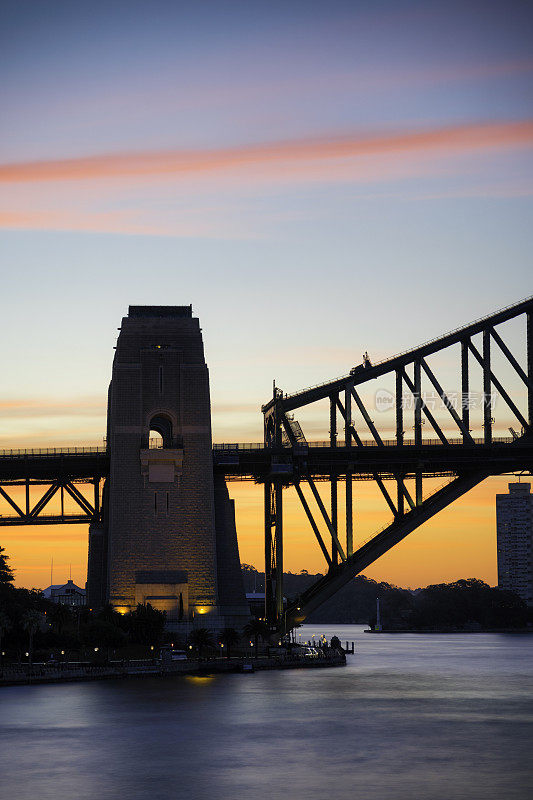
point(200, 638)
point(6, 573)
point(103, 634)
point(5, 626)
point(59, 616)
point(229, 638)
point(31, 622)
point(256, 628)
point(146, 624)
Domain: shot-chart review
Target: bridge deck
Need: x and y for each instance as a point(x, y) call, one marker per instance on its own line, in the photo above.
point(252, 461)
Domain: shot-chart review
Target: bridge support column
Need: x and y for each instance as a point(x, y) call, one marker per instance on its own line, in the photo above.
point(418, 405)
point(279, 549)
point(400, 496)
point(333, 475)
point(487, 389)
point(465, 389)
point(418, 427)
point(530, 368)
point(170, 530)
point(273, 551)
point(399, 407)
point(348, 444)
point(269, 586)
point(349, 514)
point(418, 488)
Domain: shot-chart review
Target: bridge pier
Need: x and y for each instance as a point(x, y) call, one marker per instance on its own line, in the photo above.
point(168, 535)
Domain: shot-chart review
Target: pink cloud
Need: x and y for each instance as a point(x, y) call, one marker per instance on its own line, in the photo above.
point(280, 156)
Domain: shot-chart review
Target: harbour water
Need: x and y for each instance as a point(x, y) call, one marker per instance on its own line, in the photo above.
point(411, 717)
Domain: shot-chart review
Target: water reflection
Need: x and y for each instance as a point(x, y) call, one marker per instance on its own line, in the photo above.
point(410, 717)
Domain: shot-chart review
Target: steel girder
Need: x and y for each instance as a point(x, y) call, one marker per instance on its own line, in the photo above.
point(33, 512)
point(469, 460)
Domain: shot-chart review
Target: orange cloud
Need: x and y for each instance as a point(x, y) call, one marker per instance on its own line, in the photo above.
point(116, 222)
point(26, 407)
point(445, 140)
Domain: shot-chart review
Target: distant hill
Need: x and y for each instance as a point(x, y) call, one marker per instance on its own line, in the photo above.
point(464, 605)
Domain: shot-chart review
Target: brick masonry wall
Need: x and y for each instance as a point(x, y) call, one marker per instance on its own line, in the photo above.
point(159, 369)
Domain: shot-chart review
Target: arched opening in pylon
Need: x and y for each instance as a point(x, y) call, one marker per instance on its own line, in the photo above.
point(160, 432)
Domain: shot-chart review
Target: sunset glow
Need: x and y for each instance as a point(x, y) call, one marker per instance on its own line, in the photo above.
point(317, 180)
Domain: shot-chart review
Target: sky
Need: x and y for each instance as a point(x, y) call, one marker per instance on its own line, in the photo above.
point(316, 179)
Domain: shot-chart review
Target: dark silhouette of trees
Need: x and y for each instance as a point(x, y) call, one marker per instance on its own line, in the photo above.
point(59, 615)
point(6, 573)
point(31, 622)
point(200, 639)
point(5, 625)
point(257, 629)
point(146, 624)
point(229, 638)
point(105, 635)
point(467, 604)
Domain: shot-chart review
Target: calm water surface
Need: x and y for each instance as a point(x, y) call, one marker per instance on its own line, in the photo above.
point(411, 717)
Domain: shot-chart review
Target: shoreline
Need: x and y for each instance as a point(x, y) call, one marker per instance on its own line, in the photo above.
point(45, 675)
point(520, 631)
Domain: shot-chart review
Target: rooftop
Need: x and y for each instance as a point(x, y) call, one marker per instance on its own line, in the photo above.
point(160, 311)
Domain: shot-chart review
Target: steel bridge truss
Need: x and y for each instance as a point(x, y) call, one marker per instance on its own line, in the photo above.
point(37, 512)
point(467, 461)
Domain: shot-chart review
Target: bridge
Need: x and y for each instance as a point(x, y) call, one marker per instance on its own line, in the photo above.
point(443, 444)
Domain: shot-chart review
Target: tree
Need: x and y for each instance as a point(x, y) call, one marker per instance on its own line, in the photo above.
point(146, 624)
point(5, 625)
point(229, 638)
point(257, 628)
point(103, 634)
point(6, 573)
point(59, 616)
point(200, 638)
point(107, 613)
point(31, 622)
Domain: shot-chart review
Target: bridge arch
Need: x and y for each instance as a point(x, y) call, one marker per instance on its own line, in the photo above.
point(163, 424)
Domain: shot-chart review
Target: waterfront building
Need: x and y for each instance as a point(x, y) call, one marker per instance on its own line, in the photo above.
point(514, 521)
point(67, 594)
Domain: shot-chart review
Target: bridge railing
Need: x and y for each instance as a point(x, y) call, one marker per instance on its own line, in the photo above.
point(240, 446)
point(50, 451)
point(366, 443)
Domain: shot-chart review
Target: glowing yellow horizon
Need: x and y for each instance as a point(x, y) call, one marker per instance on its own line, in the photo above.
point(460, 542)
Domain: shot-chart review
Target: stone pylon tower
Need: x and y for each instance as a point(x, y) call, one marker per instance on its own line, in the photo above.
point(168, 536)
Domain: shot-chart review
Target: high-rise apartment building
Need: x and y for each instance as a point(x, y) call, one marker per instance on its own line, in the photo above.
point(514, 521)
